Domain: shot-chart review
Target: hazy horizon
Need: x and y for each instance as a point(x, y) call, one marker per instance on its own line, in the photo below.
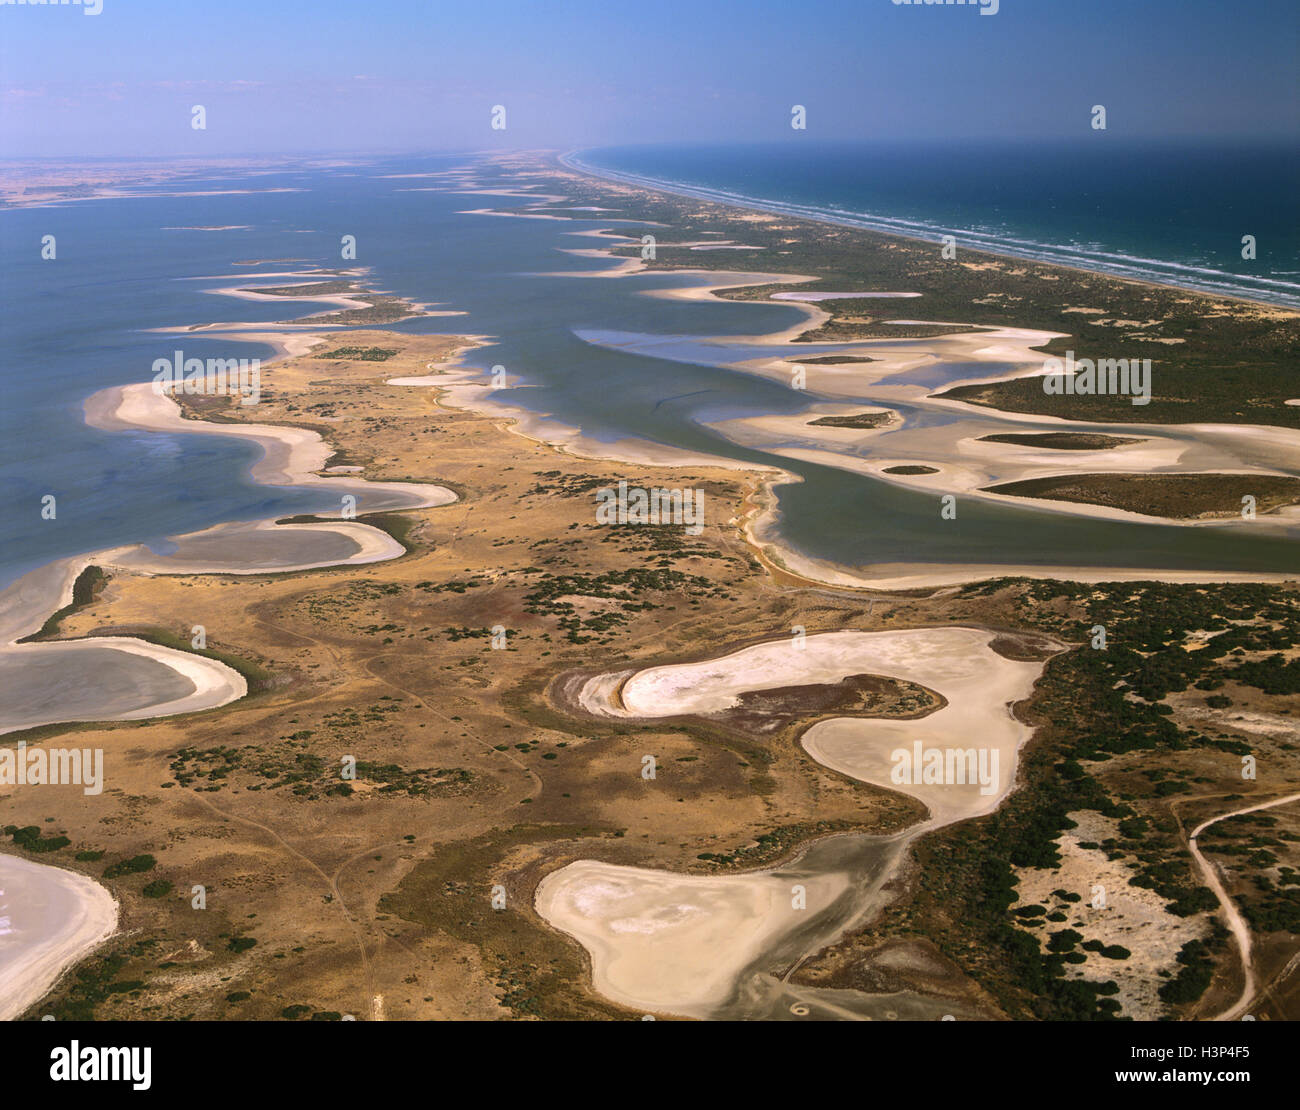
point(415, 76)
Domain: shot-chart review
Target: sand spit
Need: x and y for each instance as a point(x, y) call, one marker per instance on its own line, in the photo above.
point(464, 387)
point(679, 944)
point(962, 464)
point(116, 678)
point(49, 919)
point(27, 601)
point(61, 916)
point(261, 547)
point(965, 461)
point(290, 456)
point(921, 576)
point(121, 678)
point(804, 296)
point(967, 469)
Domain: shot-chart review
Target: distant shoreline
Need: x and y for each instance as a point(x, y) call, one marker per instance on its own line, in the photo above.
point(572, 161)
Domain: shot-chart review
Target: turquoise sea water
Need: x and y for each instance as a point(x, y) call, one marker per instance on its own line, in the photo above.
point(79, 323)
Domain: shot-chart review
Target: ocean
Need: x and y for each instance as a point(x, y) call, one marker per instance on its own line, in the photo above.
point(1170, 212)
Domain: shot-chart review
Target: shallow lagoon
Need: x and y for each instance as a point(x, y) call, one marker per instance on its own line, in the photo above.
point(76, 325)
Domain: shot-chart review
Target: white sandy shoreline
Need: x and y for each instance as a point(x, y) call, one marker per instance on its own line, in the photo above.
point(571, 162)
point(289, 456)
point(62, 915)
point(50, 919)
point(965, 467)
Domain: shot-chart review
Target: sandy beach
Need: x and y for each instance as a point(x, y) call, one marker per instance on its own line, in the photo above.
point(126, 678)
point(290, 456)
point(49, 919)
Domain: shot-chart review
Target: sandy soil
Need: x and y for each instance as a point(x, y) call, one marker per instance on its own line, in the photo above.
point(1236, 923)
point(1131, 916)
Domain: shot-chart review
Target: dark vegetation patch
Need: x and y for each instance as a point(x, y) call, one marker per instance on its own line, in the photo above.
point(360, 354)
point(293, 764)
point(89, 585)
point(762, 712)
point(1100, 718)
point(1061, 441)
point(1231, 361)
point(1165, 495)
point(30, 840)
point(853, 420)
point(540, 972)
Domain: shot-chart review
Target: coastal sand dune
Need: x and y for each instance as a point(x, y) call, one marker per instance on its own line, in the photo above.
point(678, 943)
point(49, 919)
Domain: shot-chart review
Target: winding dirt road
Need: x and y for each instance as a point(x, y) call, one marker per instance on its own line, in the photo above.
point(1236, 923)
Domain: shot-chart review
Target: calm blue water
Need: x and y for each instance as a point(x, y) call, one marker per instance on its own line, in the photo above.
point(595, 354)
point(1171, 213)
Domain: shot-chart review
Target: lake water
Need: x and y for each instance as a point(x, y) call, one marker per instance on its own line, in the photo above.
point(77, 324)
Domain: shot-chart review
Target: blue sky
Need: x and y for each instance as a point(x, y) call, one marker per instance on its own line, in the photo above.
point(408, 75)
